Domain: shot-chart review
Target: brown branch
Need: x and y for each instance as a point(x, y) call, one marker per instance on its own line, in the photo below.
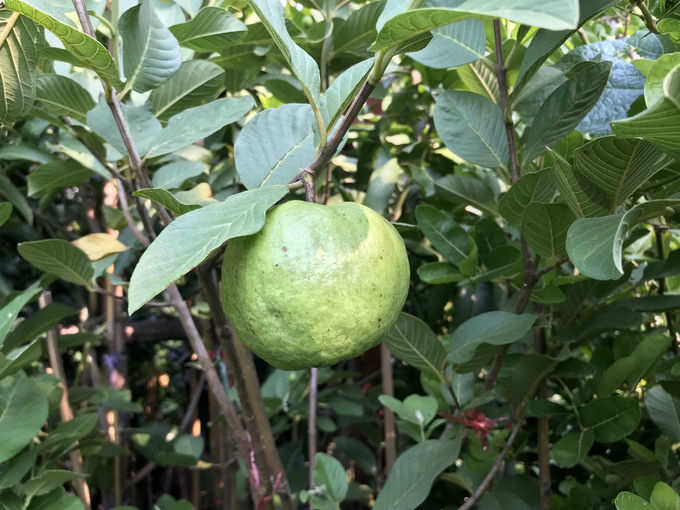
point(311, 423)
point(389, 423)
point(661, 282)
point(543, 432)
point(647, 16)
point(79, 485)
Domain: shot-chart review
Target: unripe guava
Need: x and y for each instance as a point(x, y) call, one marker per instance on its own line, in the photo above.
point(317, 285)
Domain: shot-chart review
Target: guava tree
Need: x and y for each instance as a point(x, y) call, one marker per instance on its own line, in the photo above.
point(525, 152)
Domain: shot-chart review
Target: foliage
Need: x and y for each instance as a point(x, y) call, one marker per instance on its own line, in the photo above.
point(527, 152)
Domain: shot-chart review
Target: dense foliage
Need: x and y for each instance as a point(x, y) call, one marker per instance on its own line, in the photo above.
point(526, 151)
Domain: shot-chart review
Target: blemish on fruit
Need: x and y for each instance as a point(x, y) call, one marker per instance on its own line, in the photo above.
point(284, 249)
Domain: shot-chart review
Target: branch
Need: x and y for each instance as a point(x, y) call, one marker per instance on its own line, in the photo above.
point(311, 423)
point(647, 16)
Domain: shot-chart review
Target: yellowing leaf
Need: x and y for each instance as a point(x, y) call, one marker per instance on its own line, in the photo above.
point(98, 246)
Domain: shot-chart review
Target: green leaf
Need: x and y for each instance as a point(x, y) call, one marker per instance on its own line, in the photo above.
point(521, 374)
point(660, 123)
point(437, 273)
point(188, 240)
point(358, 30)
point(453, 45)
point(664, 497)
point(54, 176)
point(414, 472)
point(582, 197)
point(18, 358)
point(330, 474)
point(654, 84)
point(16, 197)
point(611, 418)
point(174, 174)
point(189, 445)
point(18, 58)
point(204, 121)
point(618, 166)
point(533, 188)
point(495, 328)
point(12, 151)
point(301, 63)
point(566, 107)
point(443, 232)
point(664, 410)
point(67, 433)
point(630, 369)
point(195, 83)
point(595, 245)
point(481, 79)
point(412, 341)
point(545, 228)
point(550, 14)
point(86, 49)
point(10, 311)
point(144, 126)
point(572, 448)
point(342, 90)
point(48, 480)
point(23, 411)
point(212, 29)
point(60, 258)
point(472, 126)
point(13, 471)
point(64, 502)
point(167, 200)
point(5, 212)
point(468, 189)
point(382, 184)
point(264, 157)
point(37, 323)
point(151, 53)
point(630, 501)
point(63, 96)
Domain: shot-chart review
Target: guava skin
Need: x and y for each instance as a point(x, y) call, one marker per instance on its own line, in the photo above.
point(317, 285)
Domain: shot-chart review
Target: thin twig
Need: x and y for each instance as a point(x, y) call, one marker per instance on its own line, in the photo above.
point(647, 16)
point(311, 422)
point(661, 282)
point(543, 432)
point(389, 423)
point(125, 208)
point(80, 485)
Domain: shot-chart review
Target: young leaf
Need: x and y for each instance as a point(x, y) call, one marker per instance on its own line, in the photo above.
point(654, 88)
point(566, 107)
point(23, 411)
point(301, 63)
point(188, 240)
point(60, 258)
point(495, 328)
point(195, 83)
point(150, 52)
point(86, 49)
point(18, 58)
point(204, 121)
point(264, 157)
point(550, 14)
point(664, 410)
point(664, 497)
point(63, 96)
point(453, 45)
point(630, 501)
point(595, 245)
point(472, 126)
point(412, 341)
point(212, 29)
point(414, 473)
point(330, 474)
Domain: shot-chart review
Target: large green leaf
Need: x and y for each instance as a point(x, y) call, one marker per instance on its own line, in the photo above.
point(188, 240)
point(264, 157)
point(329, 474)
point(550, 14)
point(48, 480)
point(212, 29)
point(495, 328)
point(64, 96)
point(51, 14)
point(468, 189)
point(204, 121)
point(473, 127)
point(572, 448)
point(664, 497)
point(18, 58)
point(611, 418)
point(412, 341)
point(151, 53)
point(174, 174)
point(659, 124)
point(36, 324)
point(533, 188)
point(23, 411)
point(301, 63)
point(664, 410)
point(53, 176)
point(195, 83)
point(595, 245)
point(545, 228)
point(342, 90)
point(566, 107)
point(16, 197)
point(443, 232)
point(60, 258)
point(453, 45)
point(358, 30)
point(583, 198)
point(630, 501)
point(10, 311)
point(618, 167)
point(656, 75)
point(414, 472)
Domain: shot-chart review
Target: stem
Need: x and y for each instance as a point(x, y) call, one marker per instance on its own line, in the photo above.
point(11, 21)
point(658, 235)
point(647, 16)
point(388, 389)
point(311, 423)
point(80, 485)
point(543, 432)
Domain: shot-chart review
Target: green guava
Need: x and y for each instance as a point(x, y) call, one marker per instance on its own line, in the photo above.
point(317, 285)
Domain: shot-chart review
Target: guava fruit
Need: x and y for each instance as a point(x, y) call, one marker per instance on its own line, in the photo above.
point(317, 285)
